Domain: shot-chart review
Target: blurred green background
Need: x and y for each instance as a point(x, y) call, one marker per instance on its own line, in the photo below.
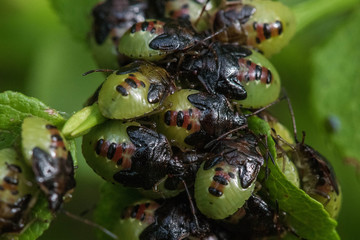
point(41, 58)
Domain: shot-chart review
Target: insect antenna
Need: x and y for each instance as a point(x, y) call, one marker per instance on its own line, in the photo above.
point(202, 12)
point(266, 107)
point(90, 223)
point(211, 143)
point(97, 70)
point(193, 211)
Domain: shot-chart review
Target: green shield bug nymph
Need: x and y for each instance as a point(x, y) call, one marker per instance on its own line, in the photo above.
point(133, 91)
point(135, 219)
point(317, 176)
point(260, 80)
point(225, 181)
point(16, 191)
point(264, 25)
point(107, 148)
point(44, 148)
point(153, 40)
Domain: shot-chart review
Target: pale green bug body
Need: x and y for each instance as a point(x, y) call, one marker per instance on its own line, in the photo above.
point(133, 91)
point(17, 191)
point(175, 103)
point(135, 219)
point(262, 90)
point(96, 145)
point(135, 42)
point(232, 198)
point(45, 150)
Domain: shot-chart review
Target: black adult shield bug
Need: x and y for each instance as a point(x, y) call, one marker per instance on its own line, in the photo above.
point(194, 118)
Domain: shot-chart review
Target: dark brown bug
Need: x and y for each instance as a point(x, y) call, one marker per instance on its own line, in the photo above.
point(114, 17)
point(317, 177)
point(256, 220)
point(264, 25)
point(45, 149)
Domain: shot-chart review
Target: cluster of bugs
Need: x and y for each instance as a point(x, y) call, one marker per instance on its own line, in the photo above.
point(172, 122)
point(169, 121)
point(41, 165)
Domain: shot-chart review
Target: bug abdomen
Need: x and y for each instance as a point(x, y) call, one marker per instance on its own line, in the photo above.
point(267, 30)
point(253, 72)
point(120, 153)
point(187, 119)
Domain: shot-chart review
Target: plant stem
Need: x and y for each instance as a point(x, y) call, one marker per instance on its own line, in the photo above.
point(310, 11)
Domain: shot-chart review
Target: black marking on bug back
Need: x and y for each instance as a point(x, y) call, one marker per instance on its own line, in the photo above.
point(99, 143)
point(133, 28)
point(167, 117)
point(279, 26)
point(156, 93)
point(56, 138)
point(131, 82)
point(267, 31)
point(220, 179)
point(10, 180)
point(144, 26)
point(258, 73)
point(135, 210)
point(269, 77)
point(122, 90)
point(215, 192)
point(180, 119)
point(111, 151)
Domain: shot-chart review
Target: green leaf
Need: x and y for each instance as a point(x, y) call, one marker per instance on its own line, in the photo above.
point(307, 216)
point(308, 12)
point(76, 15)
point(336, 85)
point(14, 107)
point(113, 199)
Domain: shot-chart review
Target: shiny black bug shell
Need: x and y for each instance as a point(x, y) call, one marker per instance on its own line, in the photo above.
point(217, 69)
point(257, 219)
point(194, 118)
point(174, 220)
